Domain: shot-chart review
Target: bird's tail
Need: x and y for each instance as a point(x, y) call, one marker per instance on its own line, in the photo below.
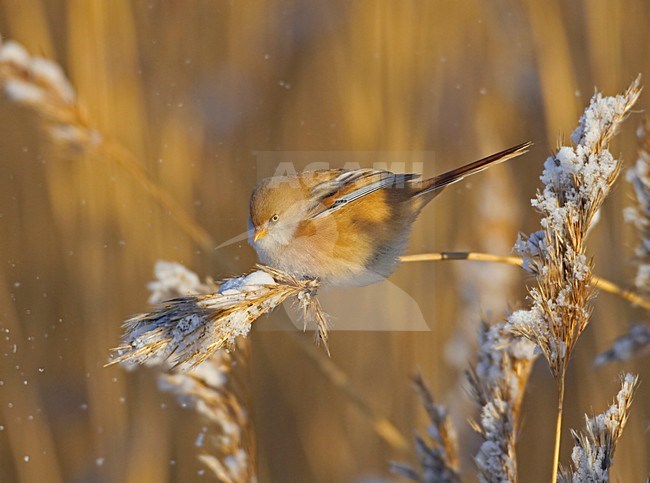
point(432, 186)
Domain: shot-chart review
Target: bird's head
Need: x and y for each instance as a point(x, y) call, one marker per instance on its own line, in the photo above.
point(277, 207)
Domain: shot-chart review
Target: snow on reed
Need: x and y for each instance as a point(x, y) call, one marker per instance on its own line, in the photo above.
point(593, 454)
point(184, 331)
point(175, 280)
point(227, 441)
point(498, 382)
point(576, 182)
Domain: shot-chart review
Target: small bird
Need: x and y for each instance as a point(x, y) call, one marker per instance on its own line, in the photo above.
point(345, 227)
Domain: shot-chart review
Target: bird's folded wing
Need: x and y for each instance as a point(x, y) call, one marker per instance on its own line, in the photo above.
point(351, 186)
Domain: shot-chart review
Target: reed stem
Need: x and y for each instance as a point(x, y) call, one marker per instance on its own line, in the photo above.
point(558, 427)
point(600, 283)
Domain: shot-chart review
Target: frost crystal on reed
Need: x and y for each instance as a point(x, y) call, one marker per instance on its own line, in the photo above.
point(227, 440)
point(174, 280)
point(593, 453)
point(495, 459)
point(206, 389)
point(498, 381)
point(576, 182)
point(186, 330)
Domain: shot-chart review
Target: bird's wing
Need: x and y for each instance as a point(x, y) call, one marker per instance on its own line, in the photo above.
point(349, 186)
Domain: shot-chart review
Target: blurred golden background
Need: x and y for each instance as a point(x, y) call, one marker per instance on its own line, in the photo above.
point(194, 89)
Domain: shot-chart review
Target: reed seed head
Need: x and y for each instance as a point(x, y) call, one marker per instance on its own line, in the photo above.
point(185, 331)
point(576, 181)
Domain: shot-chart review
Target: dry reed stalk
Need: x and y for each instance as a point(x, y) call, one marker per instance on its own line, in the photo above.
point(498, 383)
point(593, 453)
point(187, 330)
point(576, 182)
point(40, 85)
point(596, 282)
point(211, 388)
point(438, 454)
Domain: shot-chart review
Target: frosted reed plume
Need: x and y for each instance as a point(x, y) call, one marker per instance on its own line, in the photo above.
point(498, 383)
point(593, 453)
point(635, 343)
point(174, 280)
point(185, 331)
point(576, 181)
point(227, 440)
point(438, 454)
point(211, 388)
point(40, 84)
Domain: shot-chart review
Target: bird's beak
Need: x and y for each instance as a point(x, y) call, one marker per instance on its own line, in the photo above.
point(259, 233)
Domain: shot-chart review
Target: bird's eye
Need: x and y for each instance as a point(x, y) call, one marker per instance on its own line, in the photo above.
point(275, 218)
